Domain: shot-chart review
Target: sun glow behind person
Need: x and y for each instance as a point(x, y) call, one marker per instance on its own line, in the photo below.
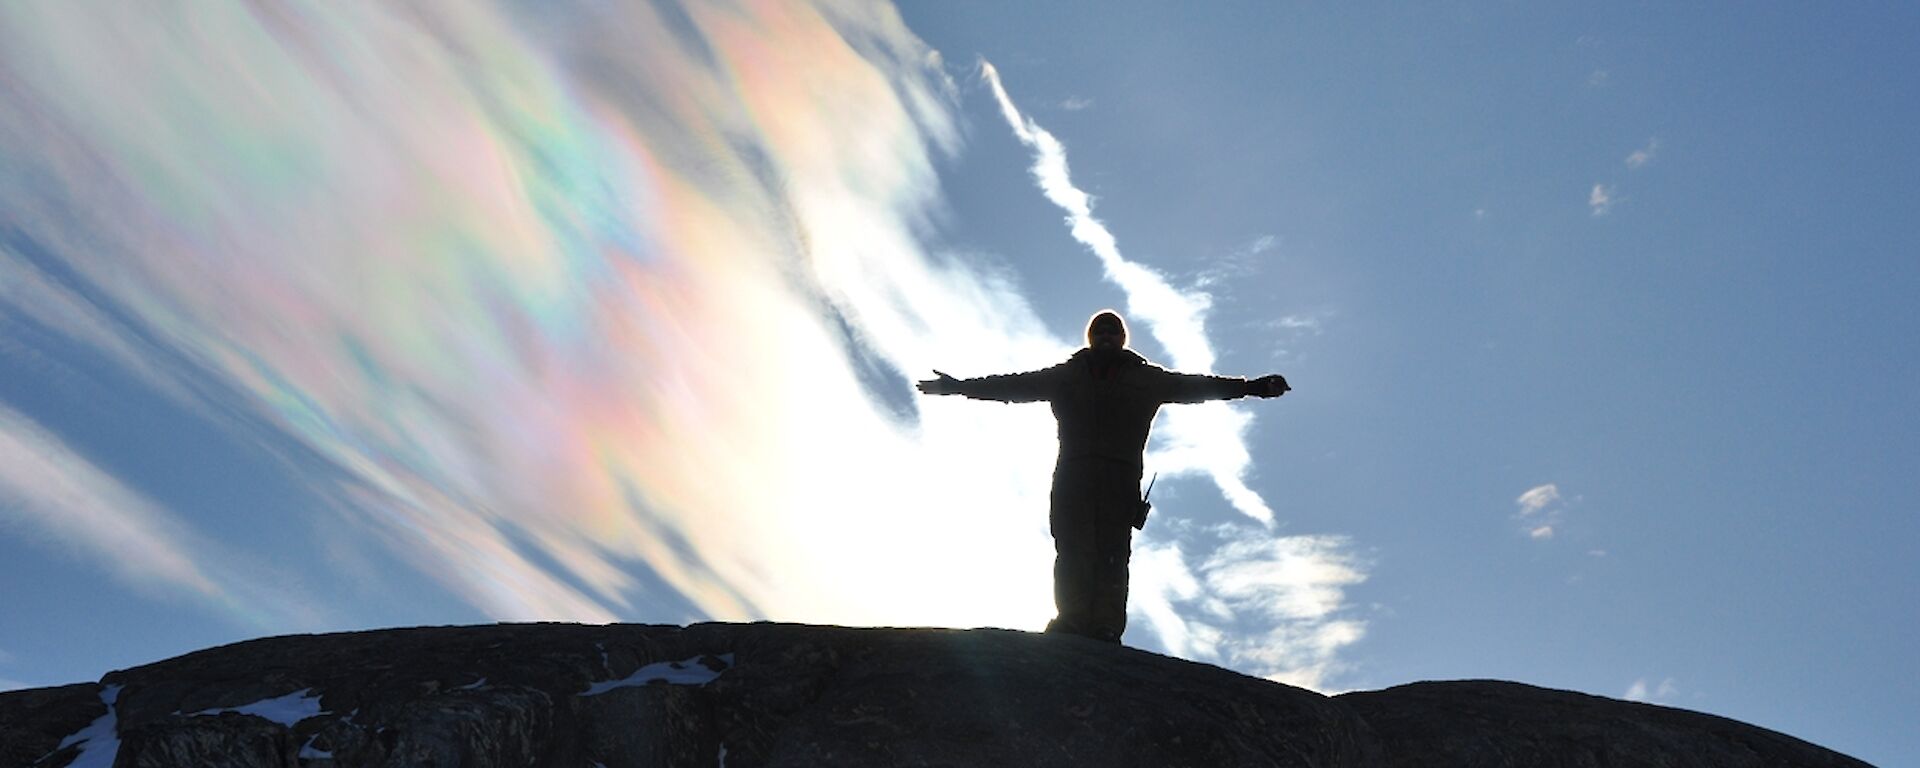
point(575, 310)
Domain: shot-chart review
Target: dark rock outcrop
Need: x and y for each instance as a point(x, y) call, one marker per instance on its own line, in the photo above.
point(773, 694)
point(1495, 724)
point(33, 722)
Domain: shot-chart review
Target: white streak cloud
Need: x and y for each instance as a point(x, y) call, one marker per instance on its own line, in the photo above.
point(1600, 199)
point(1208, 438)
point(48, 486)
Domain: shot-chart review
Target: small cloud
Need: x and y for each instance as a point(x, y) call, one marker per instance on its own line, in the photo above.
point(1540, 510)
point(1289, 330)
point(1596, 553)
point(1302, 323)
point(1640, 690)
point(1537, 498)
point(1598, 79)
point(1241, 262)
point(1643, 155)
point(1600, 199)
point(1479, 213)
point(1076, 103)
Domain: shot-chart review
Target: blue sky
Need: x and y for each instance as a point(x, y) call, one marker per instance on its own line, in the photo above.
point(1598, 320)
point(1712, 369)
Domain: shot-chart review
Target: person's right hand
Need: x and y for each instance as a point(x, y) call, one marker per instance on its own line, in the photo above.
point(1271, 385)
point(944, 385)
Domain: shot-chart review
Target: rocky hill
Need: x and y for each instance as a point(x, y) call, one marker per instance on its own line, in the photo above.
point(773, 694)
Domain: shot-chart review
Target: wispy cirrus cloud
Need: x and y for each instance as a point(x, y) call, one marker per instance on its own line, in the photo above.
point(1295, 587)
point(1640, 157)
point(1300, 323)
point(1600, 199)
point(1273, 607)
point(1239, 263)
point(1208, 438)
point(53, 490)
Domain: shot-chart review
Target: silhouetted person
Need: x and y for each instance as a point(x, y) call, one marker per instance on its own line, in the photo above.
point(1104, 398)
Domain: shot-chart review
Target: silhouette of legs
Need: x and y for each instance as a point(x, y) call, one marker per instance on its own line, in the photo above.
point(1092, 514)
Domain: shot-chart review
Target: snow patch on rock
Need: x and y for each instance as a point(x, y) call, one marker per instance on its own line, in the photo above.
point(100, 740)
point(698, 670)
point(285, 710)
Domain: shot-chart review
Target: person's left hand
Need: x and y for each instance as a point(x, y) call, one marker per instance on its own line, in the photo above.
point(1271, 385)
point(944, 385)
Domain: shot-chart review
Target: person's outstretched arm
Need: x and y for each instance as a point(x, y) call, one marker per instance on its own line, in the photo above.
point(1199, 387)
point(1028, 387)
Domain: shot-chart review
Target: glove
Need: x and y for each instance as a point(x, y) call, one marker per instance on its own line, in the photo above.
point(1270, 385)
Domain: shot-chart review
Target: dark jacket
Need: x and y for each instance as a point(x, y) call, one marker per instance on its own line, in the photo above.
point(1104, 400)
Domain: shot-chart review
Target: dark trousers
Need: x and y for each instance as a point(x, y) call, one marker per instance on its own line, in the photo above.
point(1092, 522)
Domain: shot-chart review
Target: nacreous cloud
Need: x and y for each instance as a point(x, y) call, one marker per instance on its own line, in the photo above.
point(592, 314)
point(584, 310)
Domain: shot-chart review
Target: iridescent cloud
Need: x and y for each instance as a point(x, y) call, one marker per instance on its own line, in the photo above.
point(546, 291)
point(575, 304)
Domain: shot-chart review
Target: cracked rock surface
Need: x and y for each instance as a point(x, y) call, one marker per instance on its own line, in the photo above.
point(791, 695)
